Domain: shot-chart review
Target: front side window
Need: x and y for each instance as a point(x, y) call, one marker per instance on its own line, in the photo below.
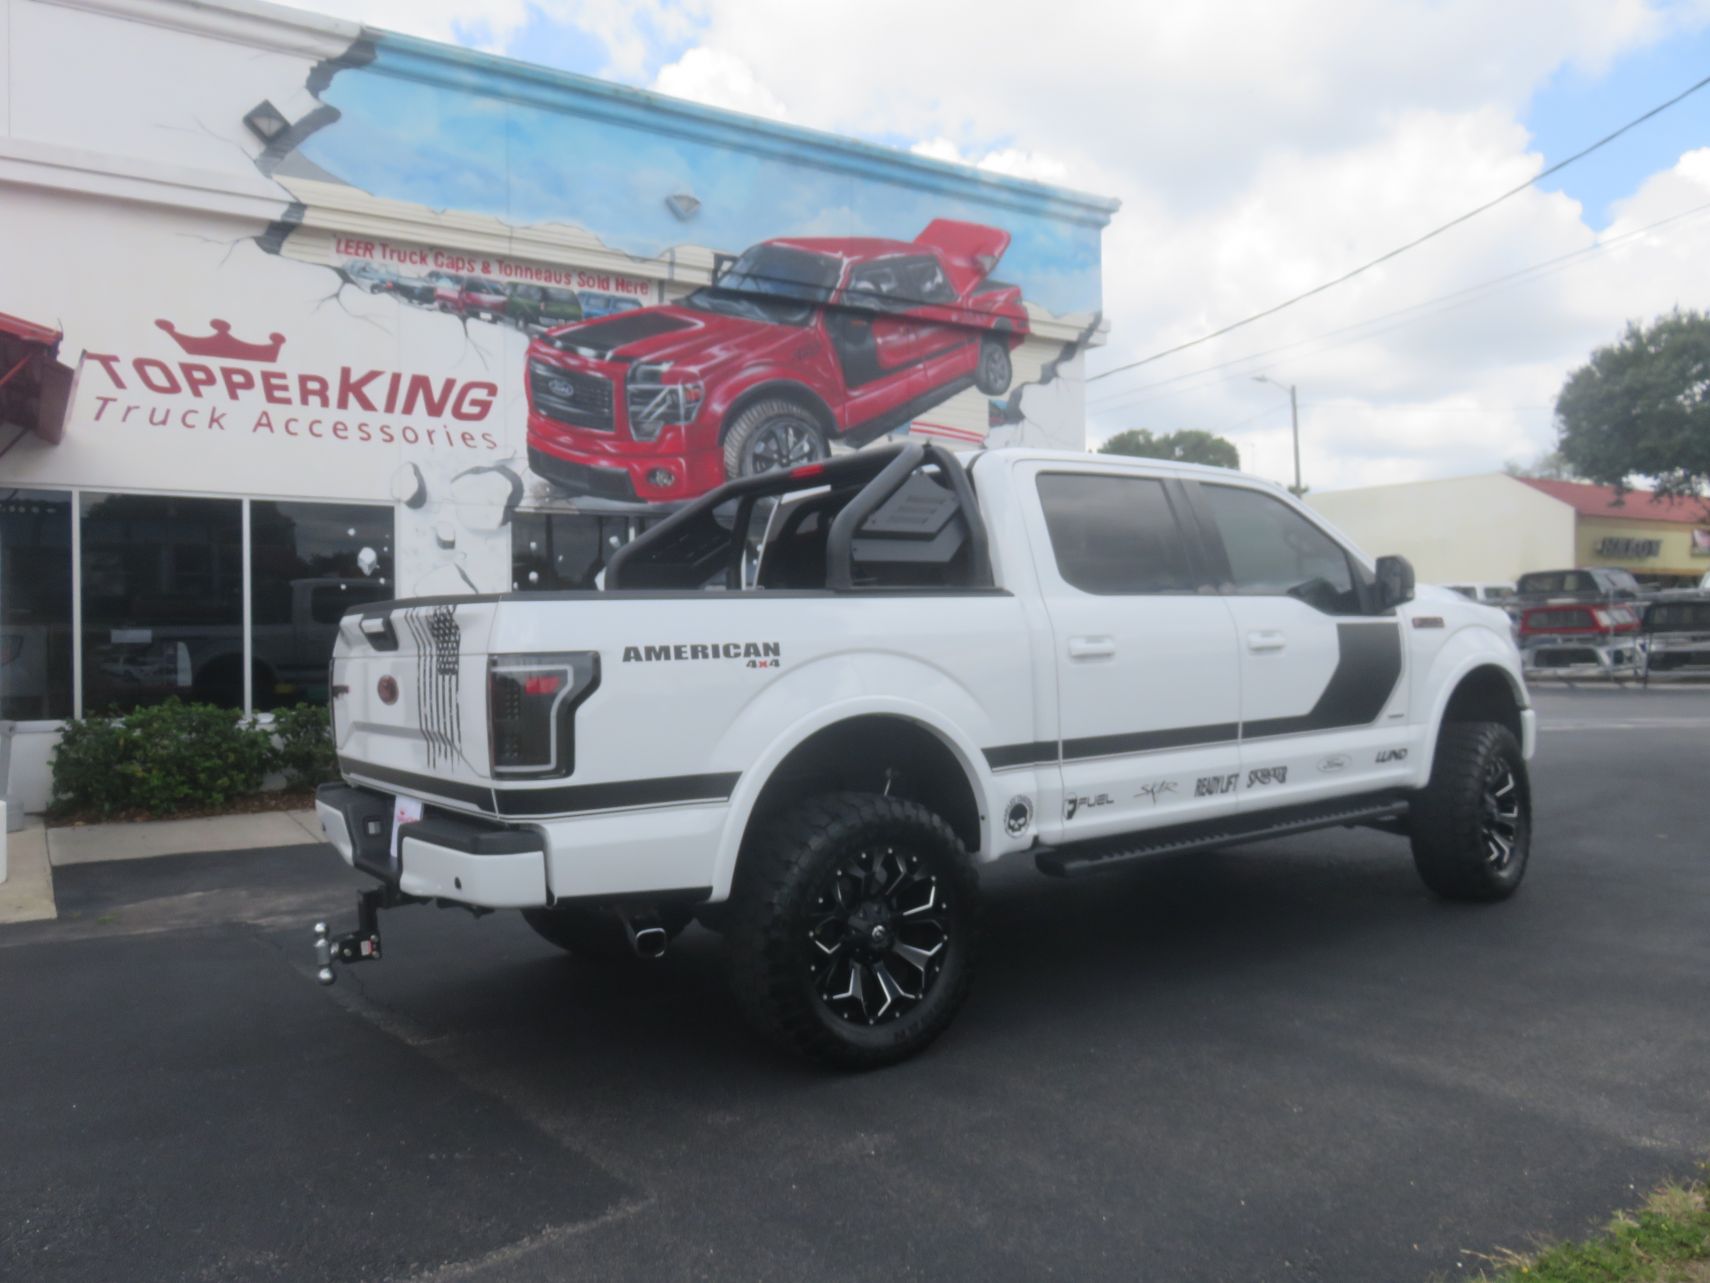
point(1274, 551)
point(35, 604)
point(771, 283)
point(1115, 535)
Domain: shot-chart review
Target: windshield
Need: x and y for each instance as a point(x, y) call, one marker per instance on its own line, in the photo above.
point(772, 284)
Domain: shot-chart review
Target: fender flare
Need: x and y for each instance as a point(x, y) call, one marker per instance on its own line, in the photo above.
point(790, 389)
point(740, 808)
point(1451, 667)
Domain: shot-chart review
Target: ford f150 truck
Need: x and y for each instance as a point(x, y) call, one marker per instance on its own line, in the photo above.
point(808, 707)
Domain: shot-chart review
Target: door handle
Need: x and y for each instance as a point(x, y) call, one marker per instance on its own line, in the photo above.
point(1266, 639)
point(1091, 647)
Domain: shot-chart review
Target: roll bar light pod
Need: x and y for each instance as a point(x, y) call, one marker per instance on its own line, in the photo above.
point(882, 472)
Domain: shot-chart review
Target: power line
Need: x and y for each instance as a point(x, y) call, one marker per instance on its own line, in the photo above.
point(1412, 244)
point(1124, 398)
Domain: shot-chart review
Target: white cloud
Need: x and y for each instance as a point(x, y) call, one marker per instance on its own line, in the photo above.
point(1258, 149)
point(719, 78)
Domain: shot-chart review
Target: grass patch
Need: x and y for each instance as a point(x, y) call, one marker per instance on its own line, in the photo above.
point(1666, 1240)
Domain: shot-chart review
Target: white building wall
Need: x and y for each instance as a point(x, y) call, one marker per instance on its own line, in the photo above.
point(1480, 529)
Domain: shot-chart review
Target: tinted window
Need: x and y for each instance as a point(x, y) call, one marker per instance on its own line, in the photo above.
point(1115, 535)
point(35, 604)
point(309, 563)
point(162, 600)
point(1274, 551)
point(559, 552)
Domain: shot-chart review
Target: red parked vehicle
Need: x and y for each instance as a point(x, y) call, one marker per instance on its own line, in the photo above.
point(482, 298)
point(802, 341)
point(1568, 638)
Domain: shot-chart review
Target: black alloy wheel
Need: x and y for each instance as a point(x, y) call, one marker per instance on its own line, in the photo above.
point(881, 935)
point(772, 435)
point(851, 928)
point(1472, 823)
point(994, 373)
point(1501, 819)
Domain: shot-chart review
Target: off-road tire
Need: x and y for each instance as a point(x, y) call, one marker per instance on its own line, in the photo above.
point(1451, 818)
point(760, 417)
point(995, 371)
point(585, 931)
point(774, 904)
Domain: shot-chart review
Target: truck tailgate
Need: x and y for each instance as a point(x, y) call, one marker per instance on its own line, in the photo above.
point(409, 697)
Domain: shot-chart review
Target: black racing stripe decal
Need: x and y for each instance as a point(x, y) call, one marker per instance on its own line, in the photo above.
point(575, 798)
point(468, 794)
point(1034, 754)
point(1368, 666)
point(1149, 741)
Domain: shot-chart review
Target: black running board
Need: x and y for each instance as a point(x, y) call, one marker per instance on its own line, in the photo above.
point(1077, 858)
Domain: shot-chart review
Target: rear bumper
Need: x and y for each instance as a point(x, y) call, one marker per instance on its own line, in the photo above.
point(439, 857)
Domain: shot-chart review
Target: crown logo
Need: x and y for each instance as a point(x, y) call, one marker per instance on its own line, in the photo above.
point(222, 346)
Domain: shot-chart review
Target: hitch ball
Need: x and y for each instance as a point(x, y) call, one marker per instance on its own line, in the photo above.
point(323, 955)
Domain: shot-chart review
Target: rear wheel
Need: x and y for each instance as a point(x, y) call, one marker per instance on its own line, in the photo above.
point(772, 435)
point(1472, 824)
point(994, 372)
point(851, 929)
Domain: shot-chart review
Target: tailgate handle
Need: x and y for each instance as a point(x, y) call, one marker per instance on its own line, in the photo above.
point(378, 631)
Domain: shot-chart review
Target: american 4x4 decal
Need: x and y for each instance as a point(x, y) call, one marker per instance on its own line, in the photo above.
point(758, 654)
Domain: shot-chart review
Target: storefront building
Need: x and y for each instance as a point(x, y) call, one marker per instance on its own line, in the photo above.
point(323, 315)
point(1494, 528)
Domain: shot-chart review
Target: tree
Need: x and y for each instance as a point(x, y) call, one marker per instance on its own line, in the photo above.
point(1190, 445)
point(1641, 407)
point(1549, 466)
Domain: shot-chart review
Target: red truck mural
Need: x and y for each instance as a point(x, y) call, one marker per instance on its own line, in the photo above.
point(800, 342)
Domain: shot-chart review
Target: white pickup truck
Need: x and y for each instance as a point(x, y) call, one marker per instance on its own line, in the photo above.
point(806, 708)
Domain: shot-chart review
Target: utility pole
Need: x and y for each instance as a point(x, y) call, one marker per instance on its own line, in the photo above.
point(1294, 420)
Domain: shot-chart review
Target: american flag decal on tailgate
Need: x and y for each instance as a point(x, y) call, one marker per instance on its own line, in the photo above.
point(439, 646)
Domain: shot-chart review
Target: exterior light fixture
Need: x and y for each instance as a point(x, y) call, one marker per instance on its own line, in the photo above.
point(685, 205)
point(266, 121)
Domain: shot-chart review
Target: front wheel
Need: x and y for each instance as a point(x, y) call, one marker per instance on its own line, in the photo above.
point(850, 929)
point(770, 436)
point(1472, 824)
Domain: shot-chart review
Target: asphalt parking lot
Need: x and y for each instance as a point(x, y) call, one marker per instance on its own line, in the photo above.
point(1281, 1062)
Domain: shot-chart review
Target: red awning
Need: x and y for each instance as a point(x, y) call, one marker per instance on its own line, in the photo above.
point(34, 387)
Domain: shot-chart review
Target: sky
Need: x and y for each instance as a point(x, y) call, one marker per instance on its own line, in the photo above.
point(1259, 148)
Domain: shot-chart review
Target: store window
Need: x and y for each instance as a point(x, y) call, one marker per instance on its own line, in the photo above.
point(162, 600)
point(309, 563)
point(35, 604)
point(559, 551)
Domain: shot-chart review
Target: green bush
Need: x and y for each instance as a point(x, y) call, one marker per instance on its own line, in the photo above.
point(304, 749)
point(159, 760)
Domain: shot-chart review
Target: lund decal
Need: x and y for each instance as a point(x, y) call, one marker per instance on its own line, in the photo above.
point(1156, 789)
point(1260, 776)
point(1393, 755)
point(1211, 785)
point(684, 651)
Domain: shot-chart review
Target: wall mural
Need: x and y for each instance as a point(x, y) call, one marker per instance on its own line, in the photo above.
point(487, 289)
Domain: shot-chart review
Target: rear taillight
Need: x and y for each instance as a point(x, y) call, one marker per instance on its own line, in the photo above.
point(531, 710)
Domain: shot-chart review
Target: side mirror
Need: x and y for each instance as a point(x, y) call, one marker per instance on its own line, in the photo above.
point(1394, 582)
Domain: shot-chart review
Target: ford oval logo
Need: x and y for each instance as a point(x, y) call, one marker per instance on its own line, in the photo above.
point(388, 690)
point(1335, 762)
point(562, 388)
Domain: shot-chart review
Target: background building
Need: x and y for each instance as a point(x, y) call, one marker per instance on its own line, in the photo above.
point(1494, 528)
point(310, 279)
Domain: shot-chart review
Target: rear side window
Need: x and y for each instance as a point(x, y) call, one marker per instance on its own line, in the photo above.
point(1274, 551)
point(1115, 536)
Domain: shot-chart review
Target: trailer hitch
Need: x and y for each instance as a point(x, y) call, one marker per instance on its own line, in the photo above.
point(360, 945)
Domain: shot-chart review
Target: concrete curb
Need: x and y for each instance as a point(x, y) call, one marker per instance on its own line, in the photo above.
point(27, 893)
point(138, 840)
